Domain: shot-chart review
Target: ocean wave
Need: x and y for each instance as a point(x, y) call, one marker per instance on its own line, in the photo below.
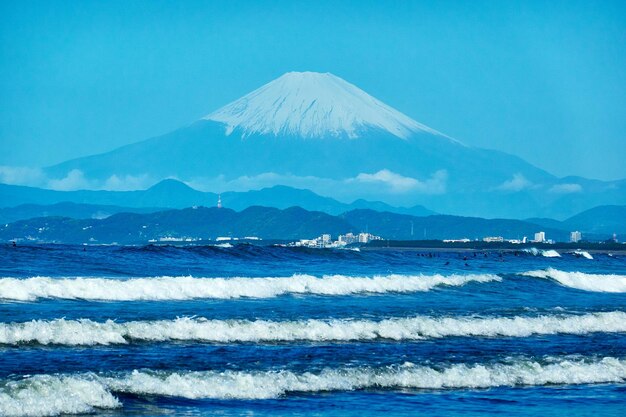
point(47, 395)
point(223, 245)
point(87, 332)
point(583, 253)
point(583, 281)
point(186, 288)
point(52, 395)
point(237, 250)
point(549, 253)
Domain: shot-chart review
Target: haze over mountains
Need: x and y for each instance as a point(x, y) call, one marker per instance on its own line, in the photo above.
point(318, 132)
point(96, 216)
point(19, 202)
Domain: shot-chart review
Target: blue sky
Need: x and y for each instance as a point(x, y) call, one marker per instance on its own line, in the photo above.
point(542, 80)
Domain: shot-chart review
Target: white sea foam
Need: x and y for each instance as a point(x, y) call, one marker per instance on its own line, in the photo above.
point(583, 281)
point(48, 395)
point(224, 245)
point(532, 251)
point(88, 332)
point(186, 288)
point(550, 253)
point(272, 384)
point(583, 253)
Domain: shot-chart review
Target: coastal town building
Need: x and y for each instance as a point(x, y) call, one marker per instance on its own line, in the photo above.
point(325, 240)
point(348, 238)
point(575, 237)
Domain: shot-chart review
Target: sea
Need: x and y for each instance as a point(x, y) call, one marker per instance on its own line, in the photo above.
point(255, 330)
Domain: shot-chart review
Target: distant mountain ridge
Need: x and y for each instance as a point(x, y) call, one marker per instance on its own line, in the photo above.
point(175, 194)
point(598, 220)
point(263, 222)
point(201, 222)
point(67, 209)
point(172, 194)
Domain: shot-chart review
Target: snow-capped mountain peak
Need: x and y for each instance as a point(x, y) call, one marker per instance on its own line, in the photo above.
point(312, 105)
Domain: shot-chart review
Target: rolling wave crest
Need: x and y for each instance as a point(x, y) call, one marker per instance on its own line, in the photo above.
point(90, 391)
point(88, 332)
point(583, 281)
point(186, 288)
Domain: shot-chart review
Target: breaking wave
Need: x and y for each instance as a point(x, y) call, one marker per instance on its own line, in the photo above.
point(186, 288)
point(88, 332)
point(583, 253)
point(583, 281)
point(47, 395)
point(549, 253)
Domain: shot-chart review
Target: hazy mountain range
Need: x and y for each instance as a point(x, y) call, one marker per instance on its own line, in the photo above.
point(263, 222)
point(290, 223)
point(318, 132)
point(37, 202)
point(22, 203)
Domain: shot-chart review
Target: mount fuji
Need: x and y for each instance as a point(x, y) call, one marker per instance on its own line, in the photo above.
point(313, 105)
point(316, 131)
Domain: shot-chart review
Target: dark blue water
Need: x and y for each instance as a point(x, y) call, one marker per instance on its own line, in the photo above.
point(81, 332)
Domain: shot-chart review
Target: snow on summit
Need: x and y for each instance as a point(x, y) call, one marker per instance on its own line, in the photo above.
point(312, 105)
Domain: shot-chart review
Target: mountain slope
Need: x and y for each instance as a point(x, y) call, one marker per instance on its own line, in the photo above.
point(319, 132)
point(203, 150)
point(312, 105)
point(602, 219)
point(306, 125)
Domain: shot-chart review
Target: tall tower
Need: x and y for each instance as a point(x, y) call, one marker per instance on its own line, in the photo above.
point(219, 201)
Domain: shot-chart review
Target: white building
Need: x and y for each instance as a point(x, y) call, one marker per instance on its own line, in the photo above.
point(348, 238)
point(366, 237)
point(493, 239)
point(575, 236)
point(540, 237)
point(325, 241)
